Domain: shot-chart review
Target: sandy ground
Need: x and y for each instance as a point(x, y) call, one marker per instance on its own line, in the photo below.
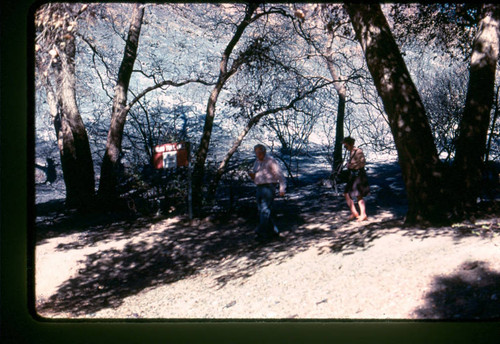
point(322, 267)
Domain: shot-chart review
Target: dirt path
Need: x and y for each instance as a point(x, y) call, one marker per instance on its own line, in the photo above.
point(390, 280)
point(323, 267)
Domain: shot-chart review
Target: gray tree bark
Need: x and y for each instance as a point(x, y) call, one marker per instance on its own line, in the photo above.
point(74, 147)
point(111, 160)
point(471, 144)
point(224, 74)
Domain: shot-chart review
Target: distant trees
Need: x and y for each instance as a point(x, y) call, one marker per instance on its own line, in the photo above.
point(442, 94)
point(254, 119)
point(292, 129)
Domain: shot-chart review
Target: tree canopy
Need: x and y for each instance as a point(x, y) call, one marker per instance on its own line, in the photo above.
point(114, 80)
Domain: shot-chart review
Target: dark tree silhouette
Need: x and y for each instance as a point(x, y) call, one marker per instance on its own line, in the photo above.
point(339, 127)
point(493, 127)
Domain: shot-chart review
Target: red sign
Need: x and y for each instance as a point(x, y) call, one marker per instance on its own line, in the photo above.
point(171, 155)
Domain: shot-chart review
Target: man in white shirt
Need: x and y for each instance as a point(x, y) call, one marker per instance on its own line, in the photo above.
point(266, 173)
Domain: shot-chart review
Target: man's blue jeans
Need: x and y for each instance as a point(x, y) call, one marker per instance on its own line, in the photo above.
point(265, 199)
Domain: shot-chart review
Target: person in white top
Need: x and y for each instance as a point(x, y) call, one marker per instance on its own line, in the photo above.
point(266, 173)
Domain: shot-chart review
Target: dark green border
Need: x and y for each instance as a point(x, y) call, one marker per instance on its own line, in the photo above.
point(17, 324)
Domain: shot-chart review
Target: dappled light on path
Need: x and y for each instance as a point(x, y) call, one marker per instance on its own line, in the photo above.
point(90, 266)
point(122, 259)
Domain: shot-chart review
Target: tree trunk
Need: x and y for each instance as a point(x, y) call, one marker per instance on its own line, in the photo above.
point(74, 147)
point(339, 128)
point(339, 133)
point(222, 167)
point(471, 144)
point(110, 164)
point(341, 92)
point(492, 129)
point(407, 118)
point(224, 75)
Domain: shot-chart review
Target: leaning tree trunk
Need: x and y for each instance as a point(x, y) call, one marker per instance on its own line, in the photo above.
point(236, 144)
point(224, 74)
point(73, 142)
point(417, 152)
point(471, 144)
point(110, 164)
point(223, 165)
point(251, 123)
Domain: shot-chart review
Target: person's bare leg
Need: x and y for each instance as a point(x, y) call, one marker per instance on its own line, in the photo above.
point(352, 207)
point(362, 209)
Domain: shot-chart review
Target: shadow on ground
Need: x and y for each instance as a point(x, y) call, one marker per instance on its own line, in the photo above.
point(472, 293)
point(146, 252)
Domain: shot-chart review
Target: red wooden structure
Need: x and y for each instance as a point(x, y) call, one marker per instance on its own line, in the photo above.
point(171, 155)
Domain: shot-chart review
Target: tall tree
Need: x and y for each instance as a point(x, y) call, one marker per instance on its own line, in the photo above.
point(225, 73)
point(101, 58)
point(111, 160)
point(341, 92)
point(330, 19)
point(425, 181)
point(407, 118)
point(55, 45)
point(335, 24)
point(471, 145)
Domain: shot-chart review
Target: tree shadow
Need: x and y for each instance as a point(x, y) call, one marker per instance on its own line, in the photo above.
point(91, 228)
point(147, 252)
point(472, 293)
point(157, 252)
point(158, 257)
